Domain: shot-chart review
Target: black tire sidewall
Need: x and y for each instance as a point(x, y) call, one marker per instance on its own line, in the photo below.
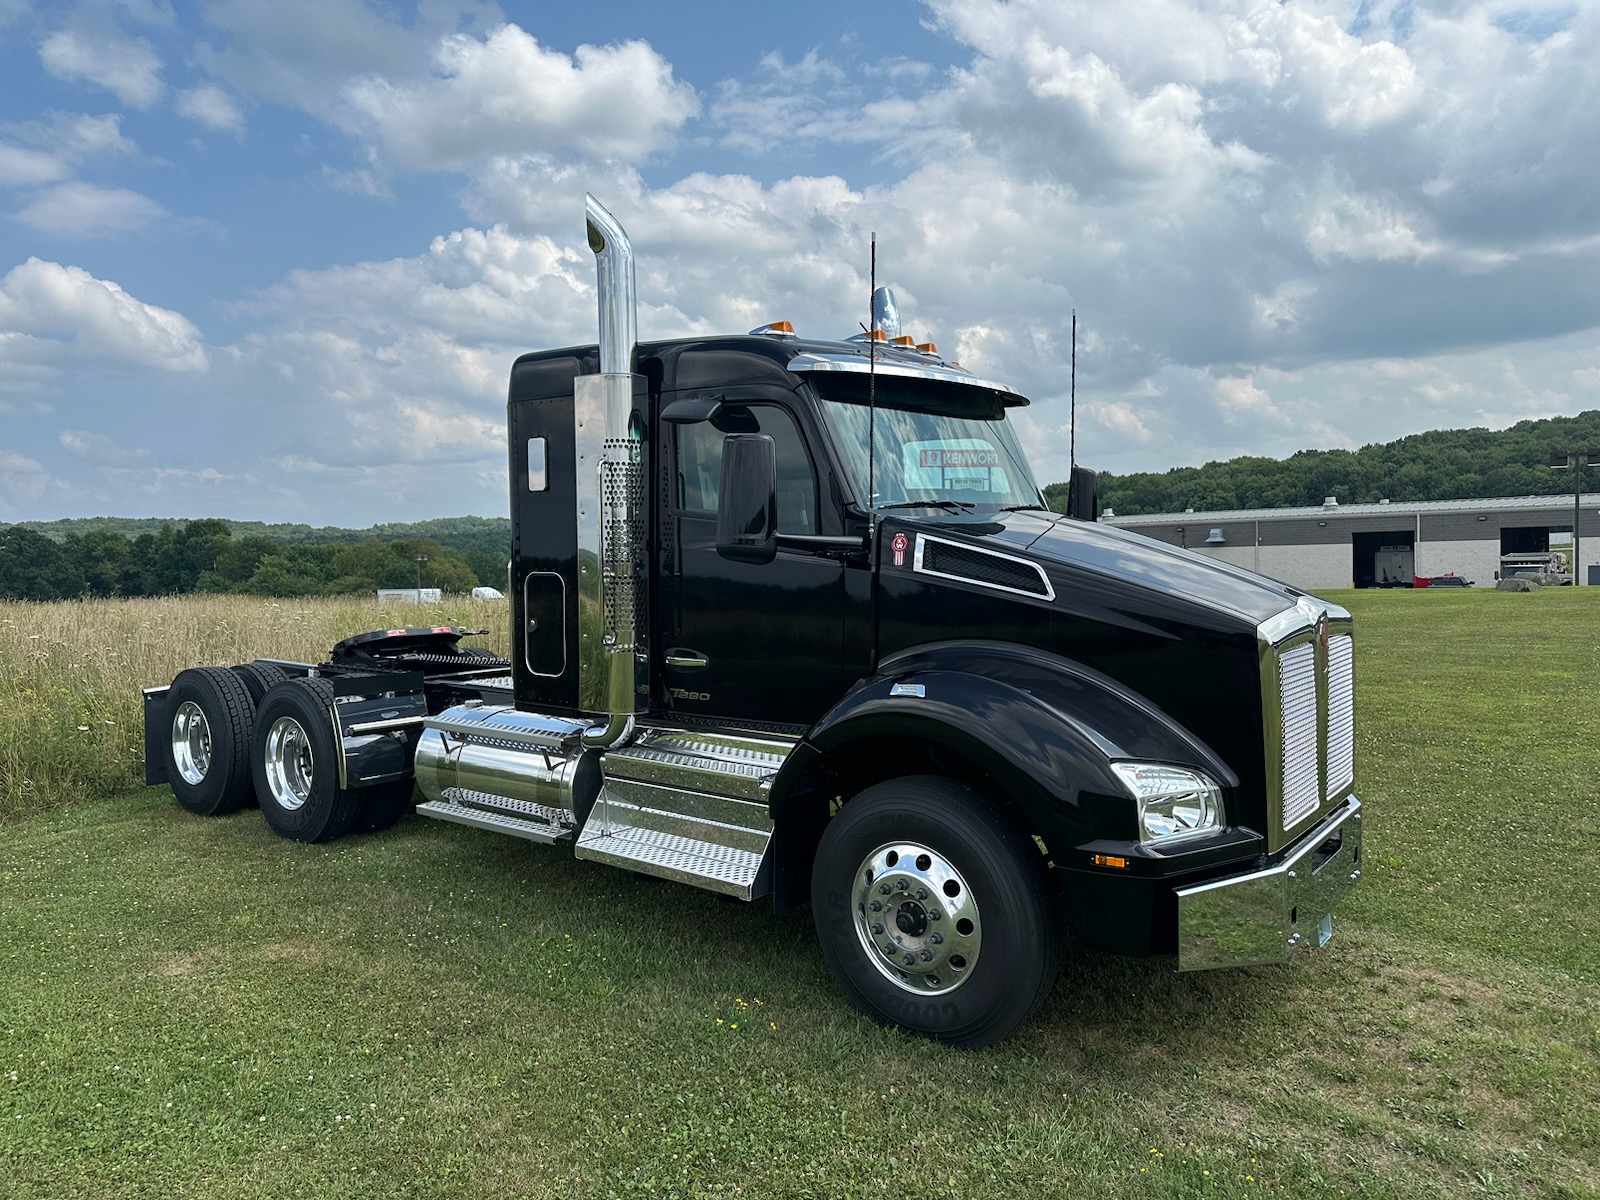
point(259, 679)
point(328, 811)
point(1003, 870)
point(226, 785)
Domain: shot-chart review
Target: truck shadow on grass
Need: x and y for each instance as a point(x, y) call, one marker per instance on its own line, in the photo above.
point(699, 941)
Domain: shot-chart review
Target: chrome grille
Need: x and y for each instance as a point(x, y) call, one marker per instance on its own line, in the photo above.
point(1341, 715)
point(1297, 693)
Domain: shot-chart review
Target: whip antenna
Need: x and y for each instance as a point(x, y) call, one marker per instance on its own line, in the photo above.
point(1072, 444)
point(872, 387)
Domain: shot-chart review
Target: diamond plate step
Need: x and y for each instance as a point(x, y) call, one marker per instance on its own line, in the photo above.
point(686, 807)
point(724, 869)
point(498, 821)
point(720, 768)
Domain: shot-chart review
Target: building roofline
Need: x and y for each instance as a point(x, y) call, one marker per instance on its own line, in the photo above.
point(1324, 512)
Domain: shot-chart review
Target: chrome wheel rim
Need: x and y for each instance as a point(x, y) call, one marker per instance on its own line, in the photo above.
point(191, 742)
point(917, 919)
point(289, 763)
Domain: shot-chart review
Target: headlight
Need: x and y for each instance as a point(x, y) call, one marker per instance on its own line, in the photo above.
point(1173, 802)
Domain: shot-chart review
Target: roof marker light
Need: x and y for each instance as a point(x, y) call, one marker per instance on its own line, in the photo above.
point(905, 339)
point(927, 347)
point(775, 329)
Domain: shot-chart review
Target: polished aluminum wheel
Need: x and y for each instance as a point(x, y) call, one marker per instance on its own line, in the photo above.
point(289, 763)
point(191, 742)
point(916, 918)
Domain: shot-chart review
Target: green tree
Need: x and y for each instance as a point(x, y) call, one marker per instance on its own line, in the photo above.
point(32, 567)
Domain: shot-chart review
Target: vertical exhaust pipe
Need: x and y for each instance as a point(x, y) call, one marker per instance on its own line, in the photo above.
point(613, 659)
point(613, 266)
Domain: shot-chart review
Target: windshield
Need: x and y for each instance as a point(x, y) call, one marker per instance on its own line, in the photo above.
point(943, 455)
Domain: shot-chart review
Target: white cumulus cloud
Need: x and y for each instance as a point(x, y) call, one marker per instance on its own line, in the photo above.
point(210, 106)
point(127, 67)
point(505, 93)
point(79, 209)
point(82, 315)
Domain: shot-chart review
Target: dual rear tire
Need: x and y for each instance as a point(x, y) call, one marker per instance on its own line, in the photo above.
point(253, 734)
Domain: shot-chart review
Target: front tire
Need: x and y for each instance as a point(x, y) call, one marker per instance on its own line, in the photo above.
point(296, 773)
point(935, 911)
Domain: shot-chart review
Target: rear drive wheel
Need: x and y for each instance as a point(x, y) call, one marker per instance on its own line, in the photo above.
point(296, 773)
point(935, 911)
point(207, 752)
point(259, 678)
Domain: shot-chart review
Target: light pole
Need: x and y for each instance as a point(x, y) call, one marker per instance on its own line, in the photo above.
point(421, 558)
point(1575, 461)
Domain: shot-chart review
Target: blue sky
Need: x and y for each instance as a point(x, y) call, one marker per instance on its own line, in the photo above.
point(273, 260)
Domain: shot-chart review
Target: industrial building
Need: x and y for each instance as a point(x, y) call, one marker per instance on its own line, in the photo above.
point(1386, 544)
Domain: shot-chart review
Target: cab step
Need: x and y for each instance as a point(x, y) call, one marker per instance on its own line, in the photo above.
point(519, 818)
point(691, 809)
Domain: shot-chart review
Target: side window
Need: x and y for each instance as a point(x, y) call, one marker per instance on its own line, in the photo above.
point(699, 464)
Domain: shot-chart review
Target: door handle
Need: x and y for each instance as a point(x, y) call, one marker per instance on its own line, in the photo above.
point(687, 660)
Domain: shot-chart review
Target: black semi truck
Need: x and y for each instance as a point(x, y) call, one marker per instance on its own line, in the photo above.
point(791, 620)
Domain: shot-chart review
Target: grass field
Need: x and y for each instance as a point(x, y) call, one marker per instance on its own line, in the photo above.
point(194, 1008)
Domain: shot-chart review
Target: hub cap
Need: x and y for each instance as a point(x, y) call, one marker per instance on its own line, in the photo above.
point(191, 742)
point(289, 763)
point(916, 918)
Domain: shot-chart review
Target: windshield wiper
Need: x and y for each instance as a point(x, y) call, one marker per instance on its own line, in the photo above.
point(947, 505)
point(1026, 508)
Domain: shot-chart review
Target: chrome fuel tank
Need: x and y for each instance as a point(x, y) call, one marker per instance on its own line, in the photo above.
point(495, 751)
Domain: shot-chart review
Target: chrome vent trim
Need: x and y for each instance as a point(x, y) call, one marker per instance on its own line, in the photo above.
point(1307, 662)
point(1019, 571)
point(1341, 715)
point(1297, 691)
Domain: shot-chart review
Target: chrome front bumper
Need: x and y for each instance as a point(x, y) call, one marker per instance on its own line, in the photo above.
point(1264, 916)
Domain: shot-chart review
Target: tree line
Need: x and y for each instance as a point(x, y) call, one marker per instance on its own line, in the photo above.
point(1446, 464)
point(205, 556)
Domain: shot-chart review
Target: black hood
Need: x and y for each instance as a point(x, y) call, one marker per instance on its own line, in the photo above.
point(1069, 550)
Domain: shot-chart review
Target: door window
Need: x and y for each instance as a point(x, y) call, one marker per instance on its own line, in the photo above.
point(699, 464)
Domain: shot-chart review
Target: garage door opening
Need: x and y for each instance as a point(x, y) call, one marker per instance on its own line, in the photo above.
point(1383, 559)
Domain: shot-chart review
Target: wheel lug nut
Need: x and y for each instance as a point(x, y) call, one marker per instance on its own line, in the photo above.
point(889, 948)
point(926, 956)
point(884, 889)
point(905, 885)
point(877, 927)
point(910, 960)
point(876, 906)
point(922, 893)
point(936, 937)
point(934, 914)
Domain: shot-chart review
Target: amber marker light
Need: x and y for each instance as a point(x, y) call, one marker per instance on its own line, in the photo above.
point(781, 326)
point(905, 339)
point(927, 347)
point(1109, 860)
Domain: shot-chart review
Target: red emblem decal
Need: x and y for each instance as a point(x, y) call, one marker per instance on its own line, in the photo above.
point(898, 545)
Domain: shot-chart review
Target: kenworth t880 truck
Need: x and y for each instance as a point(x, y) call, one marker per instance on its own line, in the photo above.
point(791, 621)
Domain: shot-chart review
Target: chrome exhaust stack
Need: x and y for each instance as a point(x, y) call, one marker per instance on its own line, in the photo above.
point(613, 659)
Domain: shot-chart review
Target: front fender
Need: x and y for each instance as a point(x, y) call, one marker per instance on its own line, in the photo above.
point(1043, 728)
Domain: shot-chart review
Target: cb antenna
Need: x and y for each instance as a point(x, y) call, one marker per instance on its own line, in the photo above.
point(1072, 444)
point(872, 388)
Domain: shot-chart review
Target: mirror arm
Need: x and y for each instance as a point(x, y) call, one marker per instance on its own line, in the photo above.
point(822, 544)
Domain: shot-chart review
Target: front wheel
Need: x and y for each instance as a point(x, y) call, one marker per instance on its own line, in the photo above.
point(935, 911)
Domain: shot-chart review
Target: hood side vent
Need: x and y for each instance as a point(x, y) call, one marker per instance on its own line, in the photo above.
point(985, 568)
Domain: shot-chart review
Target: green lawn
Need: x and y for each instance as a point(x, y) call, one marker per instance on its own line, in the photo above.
point(195, 1008)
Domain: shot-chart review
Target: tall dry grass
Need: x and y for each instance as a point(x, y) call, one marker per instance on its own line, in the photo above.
point(71, 720)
